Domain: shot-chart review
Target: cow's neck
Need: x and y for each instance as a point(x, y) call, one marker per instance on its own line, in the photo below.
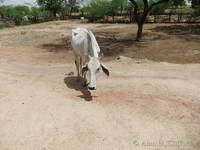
point(93, 53)
point(93, 58)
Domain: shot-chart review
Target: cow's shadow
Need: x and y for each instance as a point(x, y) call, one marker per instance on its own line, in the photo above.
point(72, 83)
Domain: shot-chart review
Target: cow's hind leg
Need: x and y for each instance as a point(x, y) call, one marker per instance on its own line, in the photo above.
point(77, 63)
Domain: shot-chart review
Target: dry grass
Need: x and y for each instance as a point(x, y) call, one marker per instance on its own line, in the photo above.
point(162, 43)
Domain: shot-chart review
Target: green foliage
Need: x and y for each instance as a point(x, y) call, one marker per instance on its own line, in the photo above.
point(71, 4)
point(196, 7)
point(97, 9)
point(128, 6)
point(24, 23)
point(114, 6)
point(37, 14)
point(53, 6)
point(5, 11)
point(100, 8)
point(177, 3)
point(16, 13)
point(196, 11)
point(159, 9)
point(76, 9)
point(35, 11)
point(195, 3)
point(140, 4)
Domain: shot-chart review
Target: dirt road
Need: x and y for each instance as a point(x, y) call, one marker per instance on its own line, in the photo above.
point(145, 104)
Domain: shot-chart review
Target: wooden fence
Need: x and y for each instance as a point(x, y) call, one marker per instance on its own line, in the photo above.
point(129, 18)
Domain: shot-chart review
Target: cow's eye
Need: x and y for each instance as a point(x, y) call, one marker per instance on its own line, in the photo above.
point(98, 69)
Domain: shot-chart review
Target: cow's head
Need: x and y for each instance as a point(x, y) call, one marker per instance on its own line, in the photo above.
point(93, 67)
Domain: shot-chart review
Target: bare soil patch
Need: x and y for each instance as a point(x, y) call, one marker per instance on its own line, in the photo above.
point(184, 29)
point(162, 43)
point(150, 101)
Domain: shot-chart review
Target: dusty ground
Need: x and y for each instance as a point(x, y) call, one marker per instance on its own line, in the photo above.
point(150, 101)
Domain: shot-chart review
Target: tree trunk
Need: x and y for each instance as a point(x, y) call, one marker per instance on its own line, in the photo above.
point(121, 10)
point(155, 19)
point(139, 31)
point(140, 23)
point(170, 17)
point(179, 17)
point(140, 19)
point(113, 18)
point(54, 13)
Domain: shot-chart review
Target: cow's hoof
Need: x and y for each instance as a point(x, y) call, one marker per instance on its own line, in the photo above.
point(91, 88)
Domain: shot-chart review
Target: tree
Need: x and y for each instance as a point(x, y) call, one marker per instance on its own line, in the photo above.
point(129, 7)
point(54, 6)
point(97, 9)
point(71, 5)
point(141, 10)
point(177, 3)
point(196, 7)
point(17, 13)
point(35, 14)
point(159, 9)
point(195, 3)
point(114, 6)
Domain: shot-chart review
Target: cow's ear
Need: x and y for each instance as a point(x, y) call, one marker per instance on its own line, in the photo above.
point(105, 69)
point(84, 69)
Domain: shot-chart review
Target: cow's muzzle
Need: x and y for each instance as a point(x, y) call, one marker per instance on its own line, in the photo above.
point(91, 88)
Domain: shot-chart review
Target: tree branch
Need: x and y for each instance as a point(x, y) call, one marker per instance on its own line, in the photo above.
point(135, 10)
point(145, 3)
point(145, 11)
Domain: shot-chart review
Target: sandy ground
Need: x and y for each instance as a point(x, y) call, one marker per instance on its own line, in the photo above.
point(150, 101)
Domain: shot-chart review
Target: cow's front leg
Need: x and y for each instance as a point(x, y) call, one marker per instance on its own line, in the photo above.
point(84, 71)
point(85, 80)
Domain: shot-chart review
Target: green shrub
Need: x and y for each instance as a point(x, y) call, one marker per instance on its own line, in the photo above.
point(24, 23)
point(196, 11)
point(38, 14)
point(5, 11)
point(16, 13)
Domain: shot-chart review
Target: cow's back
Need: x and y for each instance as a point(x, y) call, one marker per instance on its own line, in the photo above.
point(80, 42)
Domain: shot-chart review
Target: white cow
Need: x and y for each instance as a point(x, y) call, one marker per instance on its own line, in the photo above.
point(86, 51)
